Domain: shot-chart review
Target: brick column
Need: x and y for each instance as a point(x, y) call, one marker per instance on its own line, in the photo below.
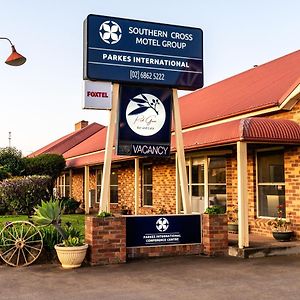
point(106, 238)
point(215, 235)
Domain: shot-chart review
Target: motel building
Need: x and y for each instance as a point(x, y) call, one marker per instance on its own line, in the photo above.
point(242, 150)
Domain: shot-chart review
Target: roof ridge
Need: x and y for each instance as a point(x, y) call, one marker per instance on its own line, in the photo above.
point(68, 137)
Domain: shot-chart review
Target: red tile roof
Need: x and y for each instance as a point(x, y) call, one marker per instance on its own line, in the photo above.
point(262, 130)
point(261, 87)
point(265, 86)
point(69, 141)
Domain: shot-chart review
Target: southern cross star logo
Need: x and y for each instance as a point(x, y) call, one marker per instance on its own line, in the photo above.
point(162, 224)
point(110, 32)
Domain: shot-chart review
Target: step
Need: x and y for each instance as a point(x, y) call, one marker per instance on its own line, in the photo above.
point(263, 251)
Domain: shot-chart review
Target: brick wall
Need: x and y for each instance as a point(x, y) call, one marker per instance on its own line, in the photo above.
point(292, 187)
point(77, 185)
point(215, 235)
point(164, 188)
point(161, 251)
point(106, 238)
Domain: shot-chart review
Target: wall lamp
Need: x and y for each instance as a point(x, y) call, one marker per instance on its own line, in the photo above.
point(15, 59)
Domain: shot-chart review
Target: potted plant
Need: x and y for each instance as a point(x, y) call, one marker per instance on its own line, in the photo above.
point(71, 252)
point(281, 227)
point(125, 210)
point(232, 213)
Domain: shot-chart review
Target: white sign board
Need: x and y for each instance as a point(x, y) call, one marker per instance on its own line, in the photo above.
point(97, 95)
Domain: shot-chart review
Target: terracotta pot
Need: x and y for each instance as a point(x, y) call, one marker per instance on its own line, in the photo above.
point(71, 257)
point(282, 236)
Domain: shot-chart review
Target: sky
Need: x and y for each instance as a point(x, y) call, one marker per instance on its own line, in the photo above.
point(42, 99)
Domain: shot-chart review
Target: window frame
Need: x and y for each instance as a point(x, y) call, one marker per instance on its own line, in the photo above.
point(100, 170)
point(273, 149)
point(147, 184)
point(61, 185)
point(205, 162)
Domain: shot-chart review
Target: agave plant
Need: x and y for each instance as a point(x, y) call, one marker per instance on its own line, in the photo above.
point(49, 213)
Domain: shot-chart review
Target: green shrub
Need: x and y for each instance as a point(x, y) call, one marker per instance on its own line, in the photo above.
point(69, 205)
point(73, 242)
point(215, 210)
point(45, 164)
point(21, 194)
point(50, 237)
point(12, 162)
point(104, 214)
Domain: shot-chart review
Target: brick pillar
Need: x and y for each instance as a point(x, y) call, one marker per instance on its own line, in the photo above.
point(215, 235)
point(106, 238)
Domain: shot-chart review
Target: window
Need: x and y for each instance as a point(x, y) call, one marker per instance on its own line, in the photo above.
point(63, 185)
point(270, 183)
point(147, 185)
point(217, 181)
point(196, 184)
point(206, 182)
point(113, 186)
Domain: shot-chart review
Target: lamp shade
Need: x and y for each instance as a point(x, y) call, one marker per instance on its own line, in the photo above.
point(15, 59)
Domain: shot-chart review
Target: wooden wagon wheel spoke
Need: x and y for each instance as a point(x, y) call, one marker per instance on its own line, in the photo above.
point(31, 236)
point(21, 243)
point(29, 252)
point(27, 230)
point(32, 242)
point(10, 233)
point(16, 231)
point(27, 246)
point(7, 251)
point(24, 257)
point(9, 245)
point(18, 258)
point(12, 254)
point(6, 239)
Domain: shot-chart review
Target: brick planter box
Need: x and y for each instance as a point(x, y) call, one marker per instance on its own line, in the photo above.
point(215, 235)
point(106, 238)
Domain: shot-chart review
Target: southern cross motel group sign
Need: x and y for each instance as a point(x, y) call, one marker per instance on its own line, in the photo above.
point(148, 59)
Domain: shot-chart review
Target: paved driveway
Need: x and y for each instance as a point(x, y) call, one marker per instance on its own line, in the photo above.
point(164, 278)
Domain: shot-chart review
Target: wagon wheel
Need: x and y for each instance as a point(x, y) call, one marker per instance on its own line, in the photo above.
point(20, 243)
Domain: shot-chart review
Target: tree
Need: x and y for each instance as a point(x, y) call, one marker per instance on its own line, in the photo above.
point(45, 164)
point(11, 162)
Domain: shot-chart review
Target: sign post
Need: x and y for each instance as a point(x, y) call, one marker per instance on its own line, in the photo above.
point(104, 196)
point(187, 206)
point(155, 58)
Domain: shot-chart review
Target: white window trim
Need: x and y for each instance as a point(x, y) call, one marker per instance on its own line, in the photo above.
point(143, 184)
point(204, 159)
point(272, 149)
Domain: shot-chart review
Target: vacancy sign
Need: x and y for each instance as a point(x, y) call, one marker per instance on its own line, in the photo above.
point(97, 95)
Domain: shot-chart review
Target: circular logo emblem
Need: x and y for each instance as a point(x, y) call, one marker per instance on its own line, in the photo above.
point(145, 114)
point(110, 32)
point(162, 224)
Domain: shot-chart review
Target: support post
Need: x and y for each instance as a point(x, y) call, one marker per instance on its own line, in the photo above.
point(181, 158)
point(136, 185)
point(86, 189)
point(110, 134)
point(242, 194)
point(178, 197)
point(71, 183)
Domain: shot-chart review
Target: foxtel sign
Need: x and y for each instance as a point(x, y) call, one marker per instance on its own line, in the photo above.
point(97, 95)
point(137, 52)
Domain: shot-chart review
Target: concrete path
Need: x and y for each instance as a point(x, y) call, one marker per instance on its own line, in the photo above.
point(164, 278)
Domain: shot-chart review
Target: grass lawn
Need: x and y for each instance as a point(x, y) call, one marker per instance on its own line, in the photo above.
point(76, 220)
